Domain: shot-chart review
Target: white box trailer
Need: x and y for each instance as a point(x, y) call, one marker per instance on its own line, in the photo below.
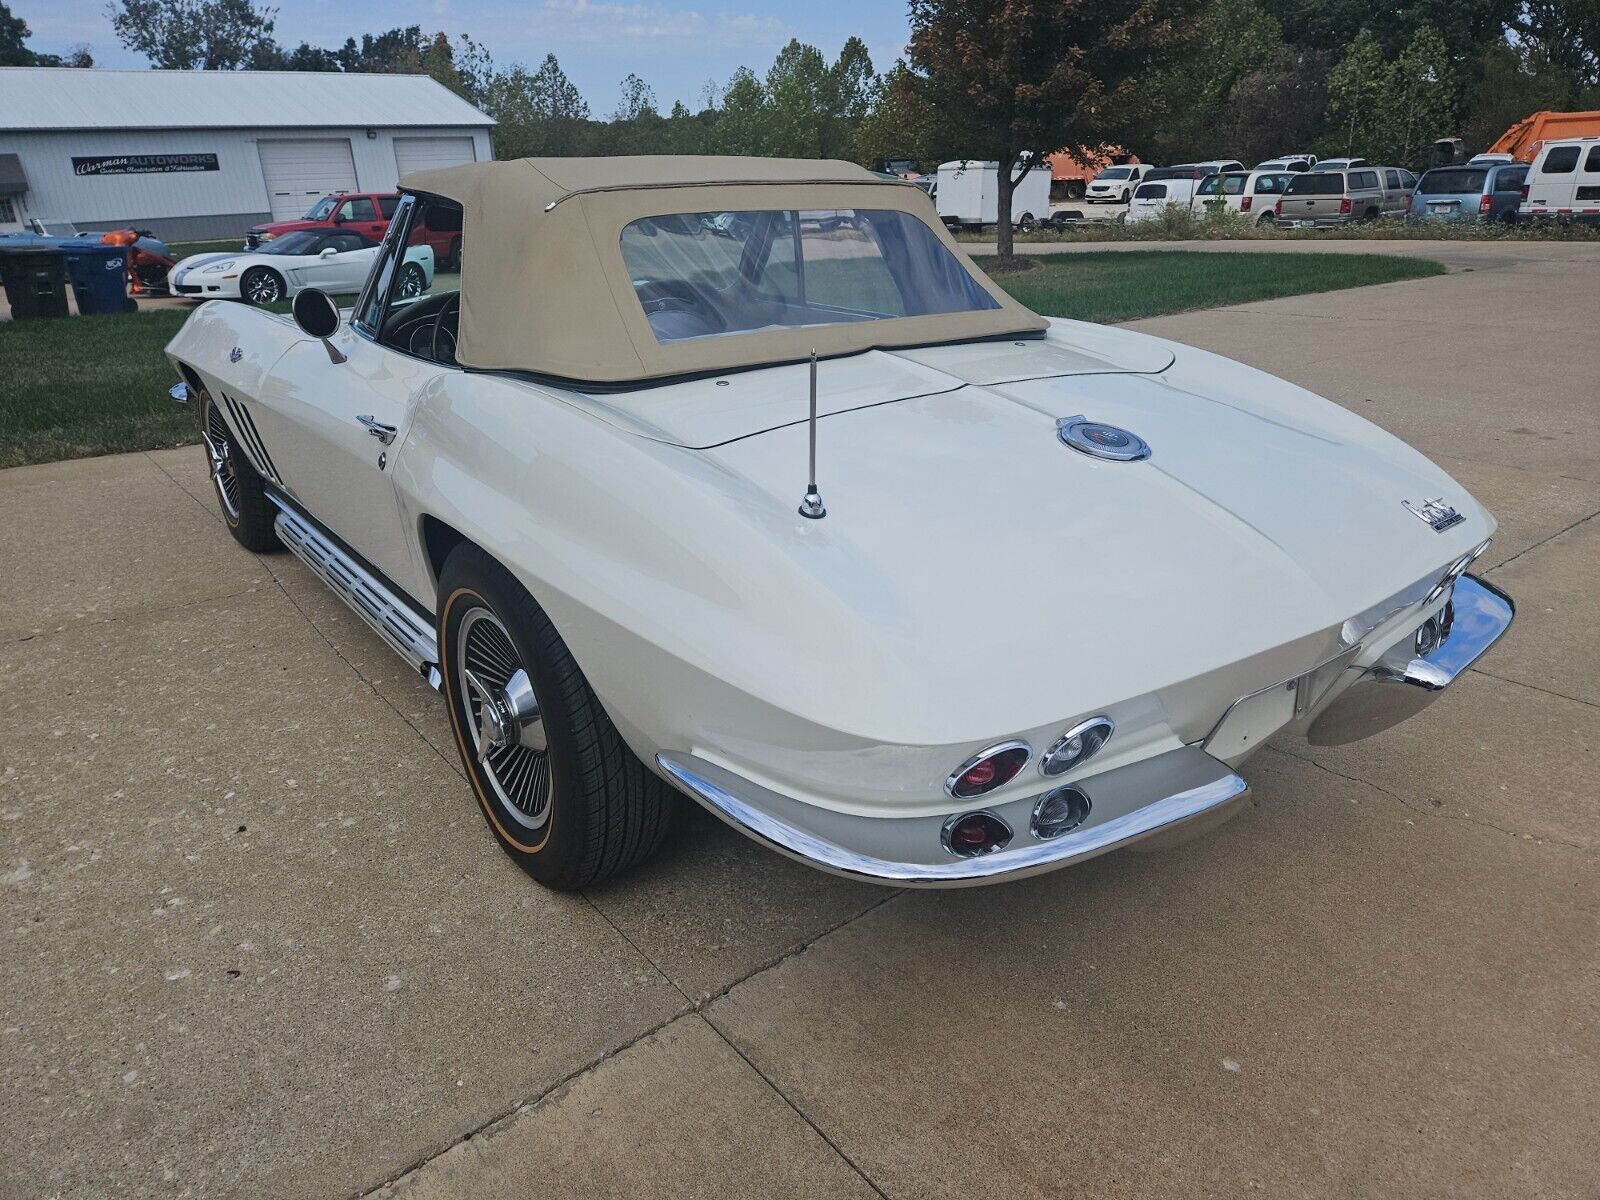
point(968, 194)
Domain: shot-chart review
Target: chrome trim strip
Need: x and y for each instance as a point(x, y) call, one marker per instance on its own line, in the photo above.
point(745, 811)
point(395, 621)
point(1480, 613)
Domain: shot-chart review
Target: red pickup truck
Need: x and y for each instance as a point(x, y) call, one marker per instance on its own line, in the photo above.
point(363, 212)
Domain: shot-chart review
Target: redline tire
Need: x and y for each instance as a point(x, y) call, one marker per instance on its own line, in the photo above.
point(605, 811)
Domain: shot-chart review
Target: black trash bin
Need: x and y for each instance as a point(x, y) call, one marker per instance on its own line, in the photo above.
point(99, 275)
point(35, 279)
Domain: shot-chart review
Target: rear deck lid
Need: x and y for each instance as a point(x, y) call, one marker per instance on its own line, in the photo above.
point(706, 412)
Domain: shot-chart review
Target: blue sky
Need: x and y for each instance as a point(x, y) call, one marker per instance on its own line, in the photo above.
point(674, 45)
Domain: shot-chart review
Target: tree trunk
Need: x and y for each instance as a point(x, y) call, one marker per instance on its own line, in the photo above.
point(1004, 188)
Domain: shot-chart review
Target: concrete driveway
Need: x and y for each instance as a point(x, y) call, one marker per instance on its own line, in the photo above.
point(257, 942)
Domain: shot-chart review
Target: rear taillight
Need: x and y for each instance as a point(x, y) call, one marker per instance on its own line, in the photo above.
point(989, 769)
point(1344, 206)
point(1244, 205)
point(1524, 191)
point(1485, 203)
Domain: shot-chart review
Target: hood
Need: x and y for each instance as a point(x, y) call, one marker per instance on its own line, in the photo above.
point(279, 228)
point(979, 553)
point(703, 413)
point(200, 260)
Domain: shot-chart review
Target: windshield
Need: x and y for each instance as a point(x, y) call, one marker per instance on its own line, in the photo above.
point(714, 273)
point(322, 209)
point(1114, 173)
point(1455, 182)
point(300, 241)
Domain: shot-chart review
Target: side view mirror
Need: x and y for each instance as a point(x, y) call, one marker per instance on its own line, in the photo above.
point(318, 317)
point(328, 252)
point(339, 217)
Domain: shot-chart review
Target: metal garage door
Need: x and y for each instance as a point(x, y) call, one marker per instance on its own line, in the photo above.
point(299, 172)
point(423, 153)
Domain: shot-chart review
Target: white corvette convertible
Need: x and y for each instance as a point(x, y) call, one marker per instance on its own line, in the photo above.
point(736, 478)
point(334, 261)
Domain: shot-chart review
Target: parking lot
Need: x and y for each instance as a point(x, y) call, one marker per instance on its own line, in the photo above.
point(258, 943)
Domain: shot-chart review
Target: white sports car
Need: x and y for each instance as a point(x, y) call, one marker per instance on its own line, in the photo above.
point(335, 261)
point(736, 477)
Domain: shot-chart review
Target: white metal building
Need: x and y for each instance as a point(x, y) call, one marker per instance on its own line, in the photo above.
point(206, 154)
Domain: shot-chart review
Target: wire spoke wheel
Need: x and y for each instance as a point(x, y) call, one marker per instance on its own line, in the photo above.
point(219, 452)
point(503, 717)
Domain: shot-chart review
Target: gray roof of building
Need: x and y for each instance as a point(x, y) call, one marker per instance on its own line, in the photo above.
point(42, 98)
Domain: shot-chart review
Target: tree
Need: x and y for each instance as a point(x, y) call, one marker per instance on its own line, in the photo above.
point(14, 35)
point(1232, 38)
point(638, 100)
point(538, 113)
point(1564, 33)
point(1011, 81)
point(188, 34)
point(14, 51)
point(1419, 104)
point(1355, 89)
point(741, 122)
point(1278, 108)
point(897, 123)
point(800, 107)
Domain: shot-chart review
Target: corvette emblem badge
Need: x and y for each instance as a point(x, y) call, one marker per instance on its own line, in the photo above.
point(1436, 513)
point(1101, 441)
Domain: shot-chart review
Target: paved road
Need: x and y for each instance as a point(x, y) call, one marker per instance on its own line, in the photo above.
point(256, 941)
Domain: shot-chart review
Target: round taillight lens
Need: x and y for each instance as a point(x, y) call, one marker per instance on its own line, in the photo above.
point(1077, 745)
point(975, 833)
point(1059, 812)
point(988, 769)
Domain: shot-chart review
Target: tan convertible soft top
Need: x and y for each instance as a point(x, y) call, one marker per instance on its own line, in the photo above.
point(544, 287)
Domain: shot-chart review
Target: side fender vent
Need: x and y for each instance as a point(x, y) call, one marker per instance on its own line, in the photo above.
point(251, 438)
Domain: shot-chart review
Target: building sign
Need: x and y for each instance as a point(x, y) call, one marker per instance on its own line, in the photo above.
point(143, 164)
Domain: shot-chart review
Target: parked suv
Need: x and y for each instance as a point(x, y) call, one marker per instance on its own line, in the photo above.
point(1253, 194)
point(1332, 198)
point(366, 213)
point(1473, 191)
point(1564, 181)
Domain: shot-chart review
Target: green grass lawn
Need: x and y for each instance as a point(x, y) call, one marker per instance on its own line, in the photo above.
point(1123, 285)
point(98, 385)
point(88, 385)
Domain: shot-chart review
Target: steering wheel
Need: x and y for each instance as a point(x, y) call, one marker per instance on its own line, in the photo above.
point(453, 303)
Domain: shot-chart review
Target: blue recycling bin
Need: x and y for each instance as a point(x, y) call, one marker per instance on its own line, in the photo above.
point(99, 276)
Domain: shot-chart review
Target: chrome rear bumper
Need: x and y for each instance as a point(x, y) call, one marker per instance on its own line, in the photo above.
point(1127, 804)
point(1402, 684)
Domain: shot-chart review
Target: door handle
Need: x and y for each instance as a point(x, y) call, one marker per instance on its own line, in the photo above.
point(384, 433)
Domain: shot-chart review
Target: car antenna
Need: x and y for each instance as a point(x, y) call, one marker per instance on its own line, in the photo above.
point(811, 506)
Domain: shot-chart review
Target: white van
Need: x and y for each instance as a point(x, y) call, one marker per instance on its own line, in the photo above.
point(1164, 186)
point(1564, 181)
point(967, 194)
